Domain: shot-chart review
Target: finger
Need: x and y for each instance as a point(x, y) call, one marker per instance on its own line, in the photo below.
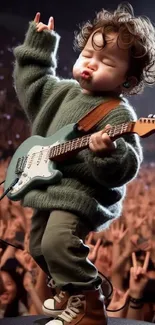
point(142, 220)
point(134, 261)
point(51, 23)
point(90, 237)
point(94, 144)
point(146, 261)
point(117, 223)
point(115, 296)
point(125, 232)
point(96, 138)
point(37, 18)
point(97, 245)
point(108, 126)
point(109, 144)
point(126, 295)
point(133, 271)
point(121, 227)
point(139, 271)
point(41, 27)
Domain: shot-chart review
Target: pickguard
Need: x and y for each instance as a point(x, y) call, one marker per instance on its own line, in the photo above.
point(37, 165)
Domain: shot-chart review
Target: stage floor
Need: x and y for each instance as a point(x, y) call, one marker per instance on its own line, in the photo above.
point(42, 320)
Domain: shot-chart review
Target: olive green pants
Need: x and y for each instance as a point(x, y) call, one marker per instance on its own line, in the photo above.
point(56, 244)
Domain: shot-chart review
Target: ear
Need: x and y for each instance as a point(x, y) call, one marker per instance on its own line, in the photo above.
point(129, 84)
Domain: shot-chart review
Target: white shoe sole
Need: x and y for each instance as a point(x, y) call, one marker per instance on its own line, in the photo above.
point(49, 312)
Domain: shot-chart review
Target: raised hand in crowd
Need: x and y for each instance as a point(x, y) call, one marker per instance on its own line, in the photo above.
point(137, 283)
point(35, 302)
point(119, 299)
point(92, 247)
point(10, 231)
point(118, 231)
point(138, 276)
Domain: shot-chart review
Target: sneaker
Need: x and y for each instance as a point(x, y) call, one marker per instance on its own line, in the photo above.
point(55, 305)
point(85, 309)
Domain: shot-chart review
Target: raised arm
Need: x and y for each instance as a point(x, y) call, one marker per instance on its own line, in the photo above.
point(34, 72)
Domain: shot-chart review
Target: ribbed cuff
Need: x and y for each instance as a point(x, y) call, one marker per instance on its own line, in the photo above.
point(47, 40)
point(108, 164)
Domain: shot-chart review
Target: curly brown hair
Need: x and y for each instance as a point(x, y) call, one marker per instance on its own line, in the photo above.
point(135, 33)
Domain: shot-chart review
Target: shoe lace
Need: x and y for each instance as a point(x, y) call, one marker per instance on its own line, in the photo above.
point(59, 296)
point(72, 309)
point(51, 283)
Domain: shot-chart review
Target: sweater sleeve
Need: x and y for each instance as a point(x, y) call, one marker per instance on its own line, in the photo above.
point(34, 70)
point(122, 165)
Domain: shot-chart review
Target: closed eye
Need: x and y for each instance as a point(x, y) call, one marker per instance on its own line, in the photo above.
point(110, 64)
point(86, 55)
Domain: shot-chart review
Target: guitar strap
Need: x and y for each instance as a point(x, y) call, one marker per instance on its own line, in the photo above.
point(96, 114)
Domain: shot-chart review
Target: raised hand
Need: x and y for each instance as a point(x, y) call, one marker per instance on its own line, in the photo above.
point(139, 222)
point(41, 26)
point(10, 231)
point(138, 276)
point(119, 299)
point(28, 281)
point(93, 248)
point(118, 232)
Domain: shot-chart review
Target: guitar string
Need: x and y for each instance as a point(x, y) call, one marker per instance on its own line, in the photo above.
point(116, 129)
point(69, 145)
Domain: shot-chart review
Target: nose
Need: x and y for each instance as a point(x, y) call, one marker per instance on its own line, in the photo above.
point(92, 65)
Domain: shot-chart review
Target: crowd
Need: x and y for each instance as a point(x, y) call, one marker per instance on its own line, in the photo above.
point(124, 253)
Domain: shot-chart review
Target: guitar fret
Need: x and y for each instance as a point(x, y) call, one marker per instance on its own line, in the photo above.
point(62, 148)
point(82, 142)
point(67, 146)
point(119, 129)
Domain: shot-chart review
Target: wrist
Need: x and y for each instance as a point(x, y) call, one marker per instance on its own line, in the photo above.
point(30, 287)
point(136, 294)
point(136, 303)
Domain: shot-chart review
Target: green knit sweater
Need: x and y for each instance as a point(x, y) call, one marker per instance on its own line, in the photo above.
point(92, 187)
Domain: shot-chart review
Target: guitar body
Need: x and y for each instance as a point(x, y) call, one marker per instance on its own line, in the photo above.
point(38, 168)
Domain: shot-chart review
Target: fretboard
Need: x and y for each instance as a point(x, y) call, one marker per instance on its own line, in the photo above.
point(81, 143)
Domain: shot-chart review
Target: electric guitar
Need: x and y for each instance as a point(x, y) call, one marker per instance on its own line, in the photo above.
point(34, 162)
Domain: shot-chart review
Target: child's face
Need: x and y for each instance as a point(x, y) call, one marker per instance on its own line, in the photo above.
point(102, 70)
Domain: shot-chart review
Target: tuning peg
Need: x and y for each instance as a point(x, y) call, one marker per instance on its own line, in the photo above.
point(151, 116)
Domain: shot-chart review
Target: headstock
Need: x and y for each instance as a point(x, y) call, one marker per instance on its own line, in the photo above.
point(145, 126)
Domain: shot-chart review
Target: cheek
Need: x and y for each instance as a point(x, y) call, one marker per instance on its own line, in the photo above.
point(76, 69)
point(77, 66)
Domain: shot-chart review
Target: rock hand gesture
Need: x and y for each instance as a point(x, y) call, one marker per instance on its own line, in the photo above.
point(41, 26)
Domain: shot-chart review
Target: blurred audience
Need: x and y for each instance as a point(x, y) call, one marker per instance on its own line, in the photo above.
point(124, 253)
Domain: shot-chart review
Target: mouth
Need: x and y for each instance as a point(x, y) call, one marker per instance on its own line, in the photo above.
point(4, 296)
point(86, 75)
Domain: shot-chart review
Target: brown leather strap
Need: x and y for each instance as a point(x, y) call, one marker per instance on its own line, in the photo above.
point(96, 114)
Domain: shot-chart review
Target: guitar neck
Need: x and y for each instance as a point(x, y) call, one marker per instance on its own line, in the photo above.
point(143, 127)
point(82, 143)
